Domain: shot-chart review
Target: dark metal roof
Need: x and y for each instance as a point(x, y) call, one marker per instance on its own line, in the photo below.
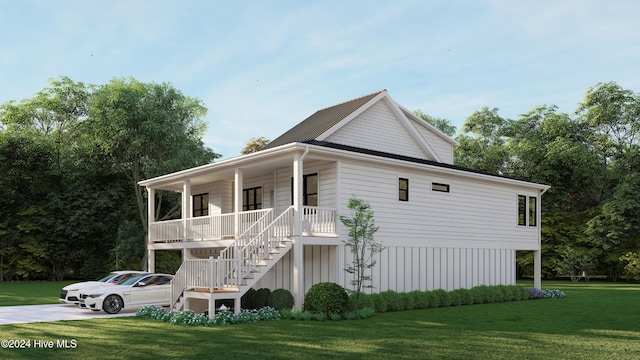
point(401, 157)
point(321, 121)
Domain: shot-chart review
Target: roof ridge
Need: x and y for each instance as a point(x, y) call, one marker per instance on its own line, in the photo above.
point(350, 100)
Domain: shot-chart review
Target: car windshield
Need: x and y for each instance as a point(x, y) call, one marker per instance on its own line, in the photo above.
point(131, 280)
point(106, 278)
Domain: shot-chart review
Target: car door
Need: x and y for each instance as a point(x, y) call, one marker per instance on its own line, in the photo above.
point(150, 290)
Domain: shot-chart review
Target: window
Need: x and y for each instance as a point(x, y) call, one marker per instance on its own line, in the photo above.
point(533, 211)
point(403, 189)
point(309, 190)
point(440, 187)
point(527, 211)
point(200, 205)
point(252, 199)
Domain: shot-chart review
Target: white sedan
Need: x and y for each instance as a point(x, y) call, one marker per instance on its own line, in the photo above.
point(149, 289)
point(70, 294)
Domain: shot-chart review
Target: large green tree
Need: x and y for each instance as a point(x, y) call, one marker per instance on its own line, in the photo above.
point(147, 130)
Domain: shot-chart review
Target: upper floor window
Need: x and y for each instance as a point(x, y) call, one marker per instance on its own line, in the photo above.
point(440, 187)
point(527, 210)
point(200, 205)
point(252, 199)
point(533, 211)
point(403, 189)
point(309, 190)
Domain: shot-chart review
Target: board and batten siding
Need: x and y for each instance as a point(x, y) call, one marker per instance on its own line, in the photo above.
point(320, 265)
point(408, 268)
point(377, 128)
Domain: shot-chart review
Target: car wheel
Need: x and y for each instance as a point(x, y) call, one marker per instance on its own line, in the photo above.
point(112, 304)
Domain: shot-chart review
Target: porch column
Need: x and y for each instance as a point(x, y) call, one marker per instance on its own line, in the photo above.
point(151, 210)
point(237, 200)
point(186, 208)
point(537, 269)
point(298, 253)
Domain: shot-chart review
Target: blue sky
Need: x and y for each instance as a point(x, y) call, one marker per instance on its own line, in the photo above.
point(260, 67)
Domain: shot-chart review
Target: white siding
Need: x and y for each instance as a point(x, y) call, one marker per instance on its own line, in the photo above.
point(442, 148)
point(473, 215)
point(405, 269)
point(377, 128)
point(326, 184)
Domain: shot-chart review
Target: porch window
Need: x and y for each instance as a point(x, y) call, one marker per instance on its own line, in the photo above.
point(403, 189)
point(309, 190)
point(200, 205)
point(252, 199)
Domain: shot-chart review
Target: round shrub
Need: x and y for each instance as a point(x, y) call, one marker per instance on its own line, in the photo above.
point(261, 298)
point(248, 300)
point(326, 298)
point(465, 296)
point(281, 299)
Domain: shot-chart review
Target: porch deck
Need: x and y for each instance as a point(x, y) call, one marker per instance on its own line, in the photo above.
point(316, 221)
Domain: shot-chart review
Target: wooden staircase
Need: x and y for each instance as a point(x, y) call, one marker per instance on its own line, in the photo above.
point(239, 266)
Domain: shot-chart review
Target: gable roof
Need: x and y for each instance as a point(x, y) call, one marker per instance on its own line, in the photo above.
point(321, 121)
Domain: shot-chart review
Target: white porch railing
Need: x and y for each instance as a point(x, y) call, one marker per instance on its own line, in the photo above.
point(204, 227)
point(318, 221)
point(252, 247)
point(241, 257)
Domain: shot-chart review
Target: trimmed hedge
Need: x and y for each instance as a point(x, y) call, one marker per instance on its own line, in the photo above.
point(281, 299)
point(390, 300)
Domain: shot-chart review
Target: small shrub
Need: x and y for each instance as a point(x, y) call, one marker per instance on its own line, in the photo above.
point(287, 314)
point(443, 298)
point(261, 298)
point(326, 298)
point(319, 316)
point(535, 293)
point(365, 301)
point(419, 300)
point(554, 294)
point(248, 300)
point(281, 299)
point(465, 296)
point(523, 293)
point(335, 317)
point(432, 298)
point(394, 300)
point(379, 302)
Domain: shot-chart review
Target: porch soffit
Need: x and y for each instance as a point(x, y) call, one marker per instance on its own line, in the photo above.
point(252, 165)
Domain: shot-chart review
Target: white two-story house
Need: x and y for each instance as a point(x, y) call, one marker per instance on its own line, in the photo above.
point(270, 218)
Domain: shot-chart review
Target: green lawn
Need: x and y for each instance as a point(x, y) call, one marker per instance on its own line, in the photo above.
point(595, 321)
point(31, 292)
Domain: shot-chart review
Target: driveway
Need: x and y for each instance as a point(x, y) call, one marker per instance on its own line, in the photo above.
point(53, 312)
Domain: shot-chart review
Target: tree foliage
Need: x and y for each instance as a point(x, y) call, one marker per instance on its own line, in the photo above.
point(254, 145)
point(361, 243)
point(69, 158)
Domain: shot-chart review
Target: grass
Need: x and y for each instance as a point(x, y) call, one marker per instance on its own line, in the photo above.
point(31, 292)
point(595, 320)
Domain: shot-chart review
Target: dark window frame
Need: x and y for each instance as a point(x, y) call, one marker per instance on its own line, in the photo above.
point(252, 198)
point(522, 210)
point(533, 211)
point(440, 187)
point(200, 206)
point(403, 189)
point(306, 195)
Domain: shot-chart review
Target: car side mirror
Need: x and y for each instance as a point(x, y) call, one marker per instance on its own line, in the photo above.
point(140, 284)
